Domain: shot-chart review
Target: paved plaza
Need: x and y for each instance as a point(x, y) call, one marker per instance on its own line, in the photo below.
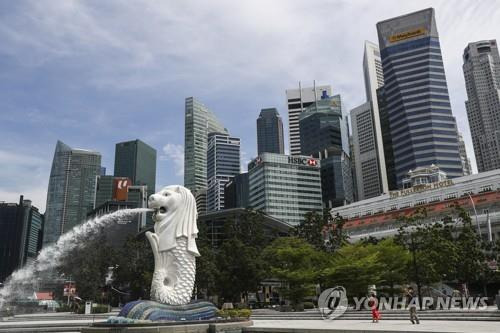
point(353, 326)
point(72, 323)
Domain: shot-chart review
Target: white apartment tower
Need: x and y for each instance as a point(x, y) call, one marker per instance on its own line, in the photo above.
point(482, 81)
point(297, 101)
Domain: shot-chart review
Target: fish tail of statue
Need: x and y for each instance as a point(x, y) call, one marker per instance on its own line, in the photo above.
point(176, 286)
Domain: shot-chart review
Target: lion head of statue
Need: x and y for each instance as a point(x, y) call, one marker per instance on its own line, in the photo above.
point(175, 215)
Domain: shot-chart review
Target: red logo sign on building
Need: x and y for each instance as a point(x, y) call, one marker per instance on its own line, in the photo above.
point(120, 188)
point(312, 162)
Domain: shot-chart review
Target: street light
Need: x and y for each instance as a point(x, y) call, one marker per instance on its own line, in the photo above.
point(475, 213)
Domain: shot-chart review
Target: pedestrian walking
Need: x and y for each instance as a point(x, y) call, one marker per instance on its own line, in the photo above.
point(373, 304)
point(411, 301)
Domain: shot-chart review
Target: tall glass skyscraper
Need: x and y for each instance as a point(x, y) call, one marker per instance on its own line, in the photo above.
point(324, 135)
point(137, 161)
point(270, 132)
point(223, 163)
point(71, 191)
point(297, 101)
point(422, 127)
point(199, 121)
point(482, 80)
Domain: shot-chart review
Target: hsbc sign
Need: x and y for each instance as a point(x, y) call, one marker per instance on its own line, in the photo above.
point(302, 161)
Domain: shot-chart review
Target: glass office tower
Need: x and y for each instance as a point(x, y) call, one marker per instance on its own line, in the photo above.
point(199, 121)
point(71, 191)
point(422, 127)
point(137, 161)
point(285, 187)
point(270, 132)
point(223, 163)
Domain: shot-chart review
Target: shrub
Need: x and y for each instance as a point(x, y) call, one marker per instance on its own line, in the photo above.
point(235, 313)
point(64, 308)
point(308, 305)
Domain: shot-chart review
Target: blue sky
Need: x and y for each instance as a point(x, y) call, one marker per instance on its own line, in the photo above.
point(94, 73)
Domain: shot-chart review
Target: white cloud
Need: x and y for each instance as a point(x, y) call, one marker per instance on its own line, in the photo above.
point(23, 174)
point(174, 153)
point(237, 56)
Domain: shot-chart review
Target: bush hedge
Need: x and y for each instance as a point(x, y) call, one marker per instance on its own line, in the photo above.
point(235, 313)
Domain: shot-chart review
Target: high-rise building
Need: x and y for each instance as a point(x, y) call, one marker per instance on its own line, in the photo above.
point(466, 165)
point(482, 80)
point(71, 191)
point(124, 196)
point(223, 163)
point(387, 140)
point(368, 172)
point(285, 187)
point(21, 236)
point(199, 121)
point(324, 135)
point(270, 132)
point(368, 147)
point(297, 101)
point(422, 126)
point(136, 161)
point(236, 192)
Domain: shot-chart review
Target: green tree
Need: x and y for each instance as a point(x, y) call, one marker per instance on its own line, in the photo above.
point(471, 266)
point(87, 265)
point(240, 269)
point(297, 264)
point(134, 267)
point(322, 231)
point(206, 264)
point(394, 260)
point(355, 267)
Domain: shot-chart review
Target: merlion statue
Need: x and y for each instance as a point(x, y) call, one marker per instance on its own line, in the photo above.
point(173, 244)
point(175, 252)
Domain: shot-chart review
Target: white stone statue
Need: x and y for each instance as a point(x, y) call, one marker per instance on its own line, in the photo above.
point(174, 245)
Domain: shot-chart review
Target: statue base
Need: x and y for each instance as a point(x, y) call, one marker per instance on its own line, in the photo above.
point(154, 311)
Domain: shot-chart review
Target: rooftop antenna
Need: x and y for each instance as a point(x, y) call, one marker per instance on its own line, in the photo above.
point(315, 96)
point(300, 95)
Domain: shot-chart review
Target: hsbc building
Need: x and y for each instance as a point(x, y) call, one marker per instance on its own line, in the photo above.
point(285, 187)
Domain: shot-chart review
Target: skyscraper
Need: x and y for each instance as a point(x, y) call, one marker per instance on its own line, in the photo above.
point(136, 161)
point(71, 191)
point(482, 80)
point(285, 187)
point(21, 237)
point(368, 147)
point(466, 165)
point(297, 101)
point(223, 163)
point(199, 121)
point(367, 166)
point(422, 127)
point(236, 192)
point(270, 132)
point(324, 135)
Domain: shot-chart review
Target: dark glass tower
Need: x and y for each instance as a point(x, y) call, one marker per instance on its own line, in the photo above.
point(223, 163)
point(324, 134)
point(137, 161)
point(21, 236)
point(71, 191)
point(421, 125)
point(270, 132)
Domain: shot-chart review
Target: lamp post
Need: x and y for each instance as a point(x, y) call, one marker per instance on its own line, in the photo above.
point(475, 213)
